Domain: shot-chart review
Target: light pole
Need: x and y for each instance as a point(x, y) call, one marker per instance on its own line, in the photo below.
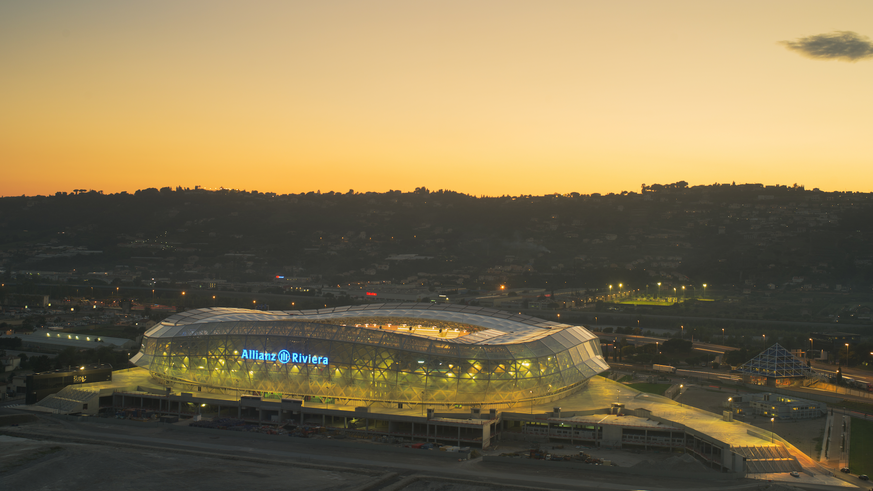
point(683, 332)
point(659, 289)
point(683, 292)
point(619, 289)
point(722, 335)
point(704, 290)
point(771, 429)
point(675, 297)
point(847, 354)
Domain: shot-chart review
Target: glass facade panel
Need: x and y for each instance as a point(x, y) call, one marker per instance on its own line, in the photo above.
point(307, 358)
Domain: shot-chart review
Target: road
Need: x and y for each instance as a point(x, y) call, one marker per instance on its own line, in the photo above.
point(640, 340)
point(632, 318)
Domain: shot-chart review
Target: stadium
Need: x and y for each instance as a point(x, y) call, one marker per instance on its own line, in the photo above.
point(389, 355)
point(457, 376)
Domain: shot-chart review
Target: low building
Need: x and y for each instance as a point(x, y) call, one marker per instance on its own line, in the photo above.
point(10, 362)
point(56, 341)
point(40, 385)
point(784, 407)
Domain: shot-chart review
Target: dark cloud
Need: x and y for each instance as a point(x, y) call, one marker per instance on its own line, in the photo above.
point(837, 45)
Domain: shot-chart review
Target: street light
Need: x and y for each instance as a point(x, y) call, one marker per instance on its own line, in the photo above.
point(704, 290)
point(847, 354)
point(722, 335)
point(659, 289)
point(771, 429)
point(683, 292)
point(681, 386)
point(683, 332)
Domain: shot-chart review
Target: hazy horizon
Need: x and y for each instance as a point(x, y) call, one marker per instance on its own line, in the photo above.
point(432, 190)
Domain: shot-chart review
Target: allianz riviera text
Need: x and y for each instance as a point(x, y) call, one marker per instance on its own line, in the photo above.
point(283, 357)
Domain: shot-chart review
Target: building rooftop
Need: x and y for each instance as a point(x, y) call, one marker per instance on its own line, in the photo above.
point(74, 340)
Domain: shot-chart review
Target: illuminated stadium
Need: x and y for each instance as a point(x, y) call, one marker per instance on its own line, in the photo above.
point(390, 354)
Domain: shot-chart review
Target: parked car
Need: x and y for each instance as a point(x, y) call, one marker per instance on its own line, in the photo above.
point(863, 477)
point(795, 474)
point(845, 469)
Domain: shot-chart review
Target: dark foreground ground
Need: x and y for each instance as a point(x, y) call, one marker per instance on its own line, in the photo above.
point(54, 454)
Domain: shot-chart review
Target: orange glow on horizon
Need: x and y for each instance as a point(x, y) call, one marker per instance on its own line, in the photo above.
point(490, 98)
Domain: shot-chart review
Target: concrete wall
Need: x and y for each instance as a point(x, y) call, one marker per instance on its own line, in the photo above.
point(611, 436)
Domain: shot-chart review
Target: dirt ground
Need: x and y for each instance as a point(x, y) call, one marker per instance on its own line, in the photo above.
point(33, 464)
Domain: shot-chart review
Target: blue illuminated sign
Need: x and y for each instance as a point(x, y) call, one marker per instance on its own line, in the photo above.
point(283, 357)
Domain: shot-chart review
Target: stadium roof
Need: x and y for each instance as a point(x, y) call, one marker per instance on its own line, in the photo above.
point(499, 327)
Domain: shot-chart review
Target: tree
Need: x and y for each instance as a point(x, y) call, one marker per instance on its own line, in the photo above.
point(10, 343)
point(677, 346)
point(736, 357)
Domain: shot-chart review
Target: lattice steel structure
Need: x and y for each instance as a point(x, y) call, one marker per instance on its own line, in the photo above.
point(507, 359)
point(775, 366)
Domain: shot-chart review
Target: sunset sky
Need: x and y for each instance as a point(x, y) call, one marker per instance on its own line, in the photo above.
point(481, 97)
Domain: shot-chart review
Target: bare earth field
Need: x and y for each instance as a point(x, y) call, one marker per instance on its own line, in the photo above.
point(54, 454)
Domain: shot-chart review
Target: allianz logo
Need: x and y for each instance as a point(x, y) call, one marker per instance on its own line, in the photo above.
point(283, 357)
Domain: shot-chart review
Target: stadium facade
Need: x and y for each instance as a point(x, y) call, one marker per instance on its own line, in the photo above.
point(375, 354)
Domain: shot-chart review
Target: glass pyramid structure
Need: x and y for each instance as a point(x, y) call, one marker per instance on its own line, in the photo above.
point(776, 362)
